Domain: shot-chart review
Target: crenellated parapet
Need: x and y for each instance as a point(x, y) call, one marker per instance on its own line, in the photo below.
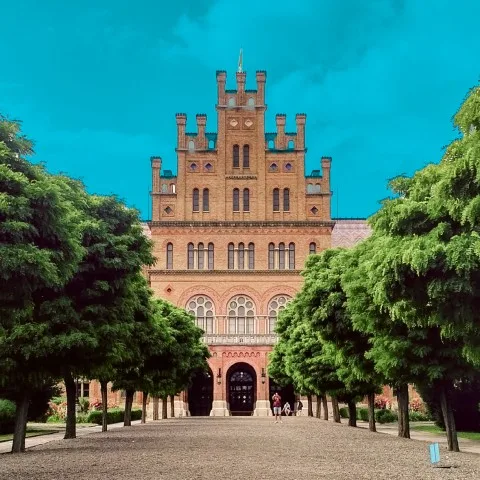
point(241, 98)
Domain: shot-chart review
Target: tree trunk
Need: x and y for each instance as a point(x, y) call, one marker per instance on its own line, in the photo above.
point(164, 407)
point(352, 413)
point(172, 406)
point(319, 406)
point(71, 420)
point(325, 407)
point(336, 410)
point(449, 420)
point(144, 406)
point(403, 420)
point(309, 406)
point(103, 390)
point(371, 412)
point(127, 420)
point(155, 408)
point(22, 405)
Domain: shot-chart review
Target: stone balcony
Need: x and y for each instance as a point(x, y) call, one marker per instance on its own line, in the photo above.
point(240, 339)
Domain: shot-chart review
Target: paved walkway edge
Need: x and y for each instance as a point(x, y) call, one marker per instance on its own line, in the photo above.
point(6, 447)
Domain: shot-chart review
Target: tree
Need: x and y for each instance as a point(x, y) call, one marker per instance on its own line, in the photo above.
point(430, 274)
point(325, 306)
point(39, 250)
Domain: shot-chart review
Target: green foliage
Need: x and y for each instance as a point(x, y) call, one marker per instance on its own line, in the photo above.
point(419, 416)
point(343, 412)
point(362, 414)
point(114, 415)
point(385, 416)
point(7, 416)
point(84, 404)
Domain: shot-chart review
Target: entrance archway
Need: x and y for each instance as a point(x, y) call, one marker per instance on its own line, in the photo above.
point(287, 394)
point(200, 394)
point(242, 392)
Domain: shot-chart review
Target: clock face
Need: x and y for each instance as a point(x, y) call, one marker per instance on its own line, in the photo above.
point(248, 123)
point(233, 122)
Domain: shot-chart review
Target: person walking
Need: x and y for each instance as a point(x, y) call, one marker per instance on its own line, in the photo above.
point(277, 407)
point(299, 408)
point(287, 409)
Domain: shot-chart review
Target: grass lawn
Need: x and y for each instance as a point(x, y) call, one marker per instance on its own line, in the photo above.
point(438, 430)
point(30, 433)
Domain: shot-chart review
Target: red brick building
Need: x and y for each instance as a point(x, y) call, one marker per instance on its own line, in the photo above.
point(232, 230)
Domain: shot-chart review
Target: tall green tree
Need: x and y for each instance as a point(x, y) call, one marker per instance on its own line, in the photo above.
point(430, 275)
point(40, 249)
point(325, 306)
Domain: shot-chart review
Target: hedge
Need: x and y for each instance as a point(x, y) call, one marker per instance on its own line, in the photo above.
point(7, 416)
point(114, 415)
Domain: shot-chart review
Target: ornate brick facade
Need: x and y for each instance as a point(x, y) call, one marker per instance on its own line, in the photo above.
point(232, 230)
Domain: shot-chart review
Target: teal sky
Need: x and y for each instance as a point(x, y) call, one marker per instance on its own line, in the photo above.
point(97, 83)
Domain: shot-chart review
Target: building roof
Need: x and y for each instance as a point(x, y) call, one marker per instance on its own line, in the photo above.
point(348, 232)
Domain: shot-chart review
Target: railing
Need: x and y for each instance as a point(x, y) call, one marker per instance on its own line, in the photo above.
point(240, 339)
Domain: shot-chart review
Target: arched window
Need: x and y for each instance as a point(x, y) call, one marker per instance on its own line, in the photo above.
point(271, 256)
point(236, 200)
point(169, 256)
point(286, 199)
point(276, 200)
point(231, 258)
point(241, 315)
point(191, 258)
point(231, 102)
point(210, 256)
point(281, 256)
point(310, 188)
point(203, 309)
point(191, 145)
point(276, 305)
point(164, 188)
point(206, 198)
point(251, 102)
point(200, 257)
point(291, 145)
point(196, 200)
point(251, 256)
point(316, 188)
point(241, 256)
point(246, 156)
point(271, 144)
point(291, 256)
point(313, 248)
point(211, 144)
point(246, 200)
point(172, 188)
point(236, 156)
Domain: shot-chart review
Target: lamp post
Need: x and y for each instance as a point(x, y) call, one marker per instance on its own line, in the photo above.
point(263, 375)
point(219, 376)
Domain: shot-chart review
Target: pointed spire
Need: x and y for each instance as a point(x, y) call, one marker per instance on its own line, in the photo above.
point(240, 61)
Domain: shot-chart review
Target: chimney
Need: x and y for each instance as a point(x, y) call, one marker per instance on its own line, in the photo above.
point(300, 120)
point(221, 80)
point(201, 123)
point(181, 123)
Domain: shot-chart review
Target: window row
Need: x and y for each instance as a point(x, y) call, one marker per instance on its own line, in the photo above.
point(241, 315)
point(205, 200)
point(240, 257)
point(276, 199)
point(236, 200)
point(281, 256)
point(246, 156)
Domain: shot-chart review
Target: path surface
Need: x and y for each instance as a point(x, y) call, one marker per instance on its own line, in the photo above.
point(236, 448)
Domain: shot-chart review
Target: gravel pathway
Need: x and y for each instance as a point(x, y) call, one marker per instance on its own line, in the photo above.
point(236, 448)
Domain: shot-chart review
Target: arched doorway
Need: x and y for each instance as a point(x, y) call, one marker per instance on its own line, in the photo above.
point(242, 392)
point(200, 394)
point(287, 394)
